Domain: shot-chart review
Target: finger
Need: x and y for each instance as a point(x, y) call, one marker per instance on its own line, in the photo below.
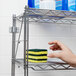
point(57, 43)
point(50, 43)
point(51, 47)
point(53, 42)
point(55, 47)
point(54, 55)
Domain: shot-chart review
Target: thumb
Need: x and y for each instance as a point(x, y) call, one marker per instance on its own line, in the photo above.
point(54, 55)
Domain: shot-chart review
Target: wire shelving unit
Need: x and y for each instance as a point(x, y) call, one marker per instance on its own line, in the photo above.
point(41, 16)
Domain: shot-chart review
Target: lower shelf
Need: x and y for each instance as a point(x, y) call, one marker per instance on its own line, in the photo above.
point(50, 65)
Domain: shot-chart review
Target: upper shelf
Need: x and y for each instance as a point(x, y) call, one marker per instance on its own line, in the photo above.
point(50, 16)
point(50, 13)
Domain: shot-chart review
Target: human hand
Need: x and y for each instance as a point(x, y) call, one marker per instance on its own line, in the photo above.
point(66, 54)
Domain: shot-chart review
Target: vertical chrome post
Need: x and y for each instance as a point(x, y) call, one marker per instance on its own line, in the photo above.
point(26, 41)
point(13, 45)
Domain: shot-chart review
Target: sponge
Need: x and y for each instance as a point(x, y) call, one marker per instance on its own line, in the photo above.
point(37, 55)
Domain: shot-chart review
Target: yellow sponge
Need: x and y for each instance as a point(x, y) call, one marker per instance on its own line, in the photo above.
point(37, 55)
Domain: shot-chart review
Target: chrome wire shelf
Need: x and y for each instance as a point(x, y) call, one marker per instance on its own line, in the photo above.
point(50, 65)
point(50, 16)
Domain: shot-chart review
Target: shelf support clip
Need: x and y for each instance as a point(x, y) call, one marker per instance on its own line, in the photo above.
point(14, 29)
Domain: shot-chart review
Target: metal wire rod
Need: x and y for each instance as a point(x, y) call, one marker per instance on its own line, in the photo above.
point(27, 42)
point(19, 38)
